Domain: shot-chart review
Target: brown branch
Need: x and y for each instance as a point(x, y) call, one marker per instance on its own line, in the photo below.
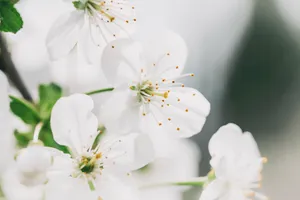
point(8, 67)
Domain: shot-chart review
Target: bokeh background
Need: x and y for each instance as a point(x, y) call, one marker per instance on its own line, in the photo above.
point(246, 58)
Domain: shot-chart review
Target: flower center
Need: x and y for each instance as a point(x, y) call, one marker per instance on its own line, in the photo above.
point(145, 91)
point(88, 164)
point(95, 8)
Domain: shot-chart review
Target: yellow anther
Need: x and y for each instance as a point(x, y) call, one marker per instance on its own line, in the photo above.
point(98, 155)
point(178, 129)
point(264, 160)
point(166, 95)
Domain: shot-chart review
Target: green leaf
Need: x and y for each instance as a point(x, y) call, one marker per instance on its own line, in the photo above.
point(49, 94)
point(47, 138)
point(24, 110)
point(79, 5)
point(23, 138)
point(10, 19)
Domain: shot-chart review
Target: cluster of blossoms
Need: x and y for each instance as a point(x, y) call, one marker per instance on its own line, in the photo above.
point(147, 110)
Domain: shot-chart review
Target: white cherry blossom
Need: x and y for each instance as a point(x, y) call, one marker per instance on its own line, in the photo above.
point(149, 94)
point(237, 164)
point(92, 25)
point(6, 127)
point(99, 172)
point(26, 178)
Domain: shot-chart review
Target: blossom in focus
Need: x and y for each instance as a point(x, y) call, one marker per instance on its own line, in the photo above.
point(100, 171)
point(92, 25)
point(149, 94)
point(237, 164)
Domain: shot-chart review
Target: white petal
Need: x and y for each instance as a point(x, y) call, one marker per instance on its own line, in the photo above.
point(110, 187)
point(182, 114)
point(33, 159)
point(128, 152)
point(7, 142)
point(213, 191)
point(64, 34)
point(72, 122)
point(126, 63)
point(120, 113)
point(168, 51)
point(227, 136)
point(14, 190)
point(88, 46)
point(64, 188)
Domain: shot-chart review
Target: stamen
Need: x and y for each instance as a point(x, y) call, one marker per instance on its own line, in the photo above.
point(264, 160)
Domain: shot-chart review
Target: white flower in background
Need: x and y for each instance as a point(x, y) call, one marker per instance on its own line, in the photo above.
point(26, 178)
point(101, 172)
point(237, 164)
point(169, 169)
point(149, 93)
point(93, 24)
point(6, 130)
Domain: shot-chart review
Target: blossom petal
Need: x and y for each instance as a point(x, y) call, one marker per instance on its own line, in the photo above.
point(14, 189)
point(182, 114)
point(126, 63)
point(72, 122)
point(120, 113)
point(63, 188)
point(128, 152)
point(213, 191)
point(122, 190)
point(227, 136)
point(7, 143)
point(64, 34)
point(166, 53)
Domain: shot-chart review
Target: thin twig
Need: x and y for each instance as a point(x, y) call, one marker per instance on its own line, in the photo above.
point(8, 67)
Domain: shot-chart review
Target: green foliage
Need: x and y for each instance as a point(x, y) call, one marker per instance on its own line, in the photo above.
point(24, 110)
point(10, 19)
point(48, 94)
point(46, 137)
point(33, 114)
point(79, 5)
point(23, 138)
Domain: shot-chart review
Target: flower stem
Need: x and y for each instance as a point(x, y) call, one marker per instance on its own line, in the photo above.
point(37, 131)
point(100, 91)
point(201, 181)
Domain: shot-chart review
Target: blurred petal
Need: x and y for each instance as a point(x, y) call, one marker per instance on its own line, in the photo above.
point(6, 130)
point(72, 122)
point(14, 190)
point(213, 191)
point(64, 34)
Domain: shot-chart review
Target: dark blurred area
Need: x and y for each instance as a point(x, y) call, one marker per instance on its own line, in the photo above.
point(261, 95)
